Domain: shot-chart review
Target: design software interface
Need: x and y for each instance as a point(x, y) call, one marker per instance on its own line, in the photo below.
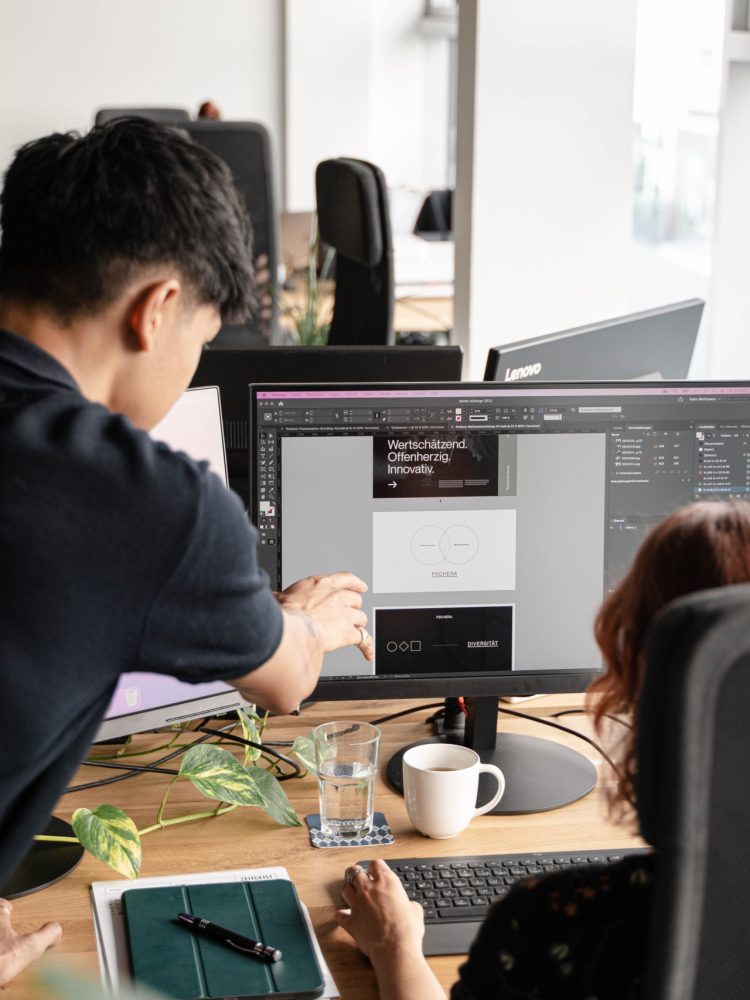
point(488, 523)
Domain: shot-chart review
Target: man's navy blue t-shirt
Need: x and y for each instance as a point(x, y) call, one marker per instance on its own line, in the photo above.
point(116, 554)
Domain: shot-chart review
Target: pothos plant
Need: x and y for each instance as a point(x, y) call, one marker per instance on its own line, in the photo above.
point(113, 837)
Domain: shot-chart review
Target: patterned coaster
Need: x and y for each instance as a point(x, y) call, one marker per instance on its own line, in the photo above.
point(380, 834)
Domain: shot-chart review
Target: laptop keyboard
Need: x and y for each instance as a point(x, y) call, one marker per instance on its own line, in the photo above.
point(461, 889)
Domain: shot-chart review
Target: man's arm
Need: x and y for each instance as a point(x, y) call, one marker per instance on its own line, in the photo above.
point(321, 614)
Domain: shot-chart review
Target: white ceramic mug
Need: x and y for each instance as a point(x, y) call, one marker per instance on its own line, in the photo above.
point(440, 788)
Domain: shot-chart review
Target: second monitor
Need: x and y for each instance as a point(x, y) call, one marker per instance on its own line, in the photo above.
point(654, 344)
point(234, 370)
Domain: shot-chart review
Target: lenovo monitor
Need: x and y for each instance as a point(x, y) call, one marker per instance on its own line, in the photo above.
point(655, 344)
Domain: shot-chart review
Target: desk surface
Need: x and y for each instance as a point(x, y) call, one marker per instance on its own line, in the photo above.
point(249, 838)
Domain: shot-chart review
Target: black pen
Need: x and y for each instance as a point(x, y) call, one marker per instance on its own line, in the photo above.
point(237, 941)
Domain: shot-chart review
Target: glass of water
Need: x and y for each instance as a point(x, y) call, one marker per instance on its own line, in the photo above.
point(346, 756)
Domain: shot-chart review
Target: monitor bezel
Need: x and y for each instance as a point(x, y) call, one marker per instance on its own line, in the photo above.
point(518, 683)
point(504, 353)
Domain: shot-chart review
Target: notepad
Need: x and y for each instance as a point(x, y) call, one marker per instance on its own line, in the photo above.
point(169, 957)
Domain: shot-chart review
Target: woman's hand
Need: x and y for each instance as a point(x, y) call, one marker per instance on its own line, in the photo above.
point(388, 927)
point(380, 917)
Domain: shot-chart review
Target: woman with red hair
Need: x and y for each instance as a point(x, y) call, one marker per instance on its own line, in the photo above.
point(577, 933)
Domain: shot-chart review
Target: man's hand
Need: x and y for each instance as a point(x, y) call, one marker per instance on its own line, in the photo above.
point(19, 950)
point(332, 605)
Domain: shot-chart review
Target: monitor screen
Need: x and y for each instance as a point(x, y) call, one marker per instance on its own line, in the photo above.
point(143, 701)
point(234, 370)
point(488, 521)
point(656, 344)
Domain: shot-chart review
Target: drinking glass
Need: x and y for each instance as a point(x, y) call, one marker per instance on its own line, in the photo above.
point(346, 756)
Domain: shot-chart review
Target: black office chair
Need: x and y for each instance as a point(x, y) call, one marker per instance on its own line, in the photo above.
point(246, 149)
point(435, 219)
point(354, 219)
point(167, 116)
point(694, 798)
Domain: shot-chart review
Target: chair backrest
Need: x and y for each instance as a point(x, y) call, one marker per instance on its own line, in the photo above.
point(435, 219)
point(246, 149)
point(693, 796)
point(354, 219)
point(167, 116)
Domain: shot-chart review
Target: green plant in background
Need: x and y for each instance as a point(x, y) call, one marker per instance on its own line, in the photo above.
point(310, 318)
point(111, 835)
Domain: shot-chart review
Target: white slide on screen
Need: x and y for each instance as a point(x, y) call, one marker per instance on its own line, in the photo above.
point(443, 551)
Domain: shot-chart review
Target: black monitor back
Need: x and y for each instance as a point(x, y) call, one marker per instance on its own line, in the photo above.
point(234, 370)
point(657, 343)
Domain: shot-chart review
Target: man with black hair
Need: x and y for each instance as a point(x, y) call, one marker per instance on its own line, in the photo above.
point(121, 252)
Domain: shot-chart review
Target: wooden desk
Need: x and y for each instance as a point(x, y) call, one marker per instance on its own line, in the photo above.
point(248, 838)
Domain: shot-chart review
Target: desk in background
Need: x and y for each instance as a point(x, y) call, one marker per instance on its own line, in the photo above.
point(248, 838)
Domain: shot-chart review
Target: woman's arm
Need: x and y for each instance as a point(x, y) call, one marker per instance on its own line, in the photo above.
point(388, 928)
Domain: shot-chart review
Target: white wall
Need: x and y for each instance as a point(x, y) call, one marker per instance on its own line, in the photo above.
point(60, 61)
point(544, 174)
point(362, 79)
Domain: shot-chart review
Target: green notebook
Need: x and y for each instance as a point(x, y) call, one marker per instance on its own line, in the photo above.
point(168, 956)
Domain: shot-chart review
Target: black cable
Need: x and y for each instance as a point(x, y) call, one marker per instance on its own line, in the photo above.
point(583, 711)
point(528, 718)
point(133, 770)
point(264, 747)
point(407, 711)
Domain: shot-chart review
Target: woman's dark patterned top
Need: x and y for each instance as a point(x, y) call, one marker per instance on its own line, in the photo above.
point(579, 934)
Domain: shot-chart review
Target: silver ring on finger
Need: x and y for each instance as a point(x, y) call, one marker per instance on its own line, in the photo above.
point(353, 871)
point(365, 635)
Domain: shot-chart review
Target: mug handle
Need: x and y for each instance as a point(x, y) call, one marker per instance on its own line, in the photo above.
point(491, 769)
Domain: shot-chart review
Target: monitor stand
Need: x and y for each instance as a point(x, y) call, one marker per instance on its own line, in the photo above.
point(539, 774)
point(46, 862)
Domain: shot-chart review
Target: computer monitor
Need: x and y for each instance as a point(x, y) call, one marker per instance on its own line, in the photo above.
point(657, 343)
point(489, 522)
point(143, 701)
point(234, 370)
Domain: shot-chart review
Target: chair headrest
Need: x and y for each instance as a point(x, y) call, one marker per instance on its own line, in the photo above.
point(349, 209)
point(692, 645)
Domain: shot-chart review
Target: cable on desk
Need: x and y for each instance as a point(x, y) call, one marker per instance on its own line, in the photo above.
point(528, 718)
point(407, 711)
point(583, 711)
point(132, 770)
point(264, 747)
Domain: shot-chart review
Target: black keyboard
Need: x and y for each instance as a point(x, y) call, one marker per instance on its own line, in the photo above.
point(455, 893)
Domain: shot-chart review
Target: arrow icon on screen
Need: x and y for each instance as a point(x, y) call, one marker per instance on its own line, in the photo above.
point(393, 485)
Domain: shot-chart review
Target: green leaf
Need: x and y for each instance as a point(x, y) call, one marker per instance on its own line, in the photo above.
point(304, 749)
point(218, 774)
point(273, 797)
point(250, 723)
point(111, 836)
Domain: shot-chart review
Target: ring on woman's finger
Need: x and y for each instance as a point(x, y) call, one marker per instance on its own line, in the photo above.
point(365, 635)
point(353, 871)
